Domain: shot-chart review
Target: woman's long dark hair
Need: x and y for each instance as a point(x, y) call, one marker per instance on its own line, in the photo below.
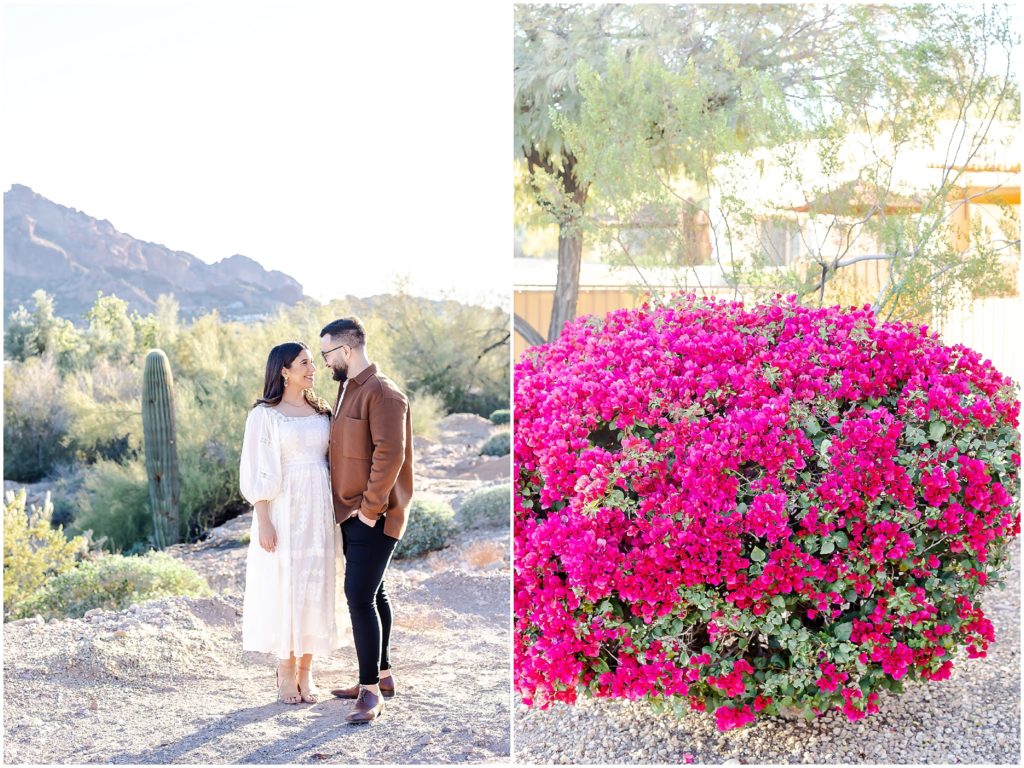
point(282, 356)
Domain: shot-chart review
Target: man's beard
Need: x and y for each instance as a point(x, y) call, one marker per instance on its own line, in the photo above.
point(340, 374)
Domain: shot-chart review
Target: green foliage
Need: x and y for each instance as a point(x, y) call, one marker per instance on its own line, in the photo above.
point(427, 410)
point(36, 420)
point(431, 524)
point(457, 352)
point(103, 404)
point(160, 433)
point(500, 416)
point(111, 334)
point(498, 444)
point(114, 504)
point(33, 551)
point(39, 332)
point(211, 422)
point(85, 418)
point(672, 161)
point(115, 582)
point(489, 506)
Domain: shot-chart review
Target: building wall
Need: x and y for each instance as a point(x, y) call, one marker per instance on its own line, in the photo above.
point(534, 305)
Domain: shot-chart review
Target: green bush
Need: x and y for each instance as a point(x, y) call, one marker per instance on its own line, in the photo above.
point(36, 420)
point(501, 416)
point(114, 582)
point(498, 444)
point(431, 524)
point(458, 352)
point(114, 504)
point(33, 551)
point(427, 410)
point(211, 422)
point(486, 506)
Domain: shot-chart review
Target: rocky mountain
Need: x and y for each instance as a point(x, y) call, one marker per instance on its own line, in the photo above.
point(71, 256)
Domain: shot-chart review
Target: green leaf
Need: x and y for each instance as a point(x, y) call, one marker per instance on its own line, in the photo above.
point(842, 631)
point(827, 547)
point(936, 430)
point(841, 539)
point(757, 554)
point(813, 427)
point(779, 601)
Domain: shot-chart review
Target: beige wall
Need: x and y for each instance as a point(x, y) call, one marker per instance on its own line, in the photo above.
point(534, 305)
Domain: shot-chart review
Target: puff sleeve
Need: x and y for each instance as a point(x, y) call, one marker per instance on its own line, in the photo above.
point(259, 474)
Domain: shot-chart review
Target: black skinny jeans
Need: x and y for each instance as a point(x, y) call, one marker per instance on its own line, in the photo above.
point(367, 555)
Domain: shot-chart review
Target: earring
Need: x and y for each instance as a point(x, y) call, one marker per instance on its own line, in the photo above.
point(285, 379)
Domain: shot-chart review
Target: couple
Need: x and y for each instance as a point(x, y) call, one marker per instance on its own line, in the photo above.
point(306, 467)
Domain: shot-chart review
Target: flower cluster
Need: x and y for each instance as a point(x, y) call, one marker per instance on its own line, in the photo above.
point(747, 510)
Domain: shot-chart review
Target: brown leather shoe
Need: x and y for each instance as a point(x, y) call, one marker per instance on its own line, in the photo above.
point(387, 689)
point(369, 706)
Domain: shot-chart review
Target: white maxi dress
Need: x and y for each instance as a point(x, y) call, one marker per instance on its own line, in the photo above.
point(291, 594)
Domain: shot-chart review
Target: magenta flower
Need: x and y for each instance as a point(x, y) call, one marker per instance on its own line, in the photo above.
point(706, 492)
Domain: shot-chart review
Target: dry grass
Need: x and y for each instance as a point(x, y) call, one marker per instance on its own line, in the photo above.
point(481, 554)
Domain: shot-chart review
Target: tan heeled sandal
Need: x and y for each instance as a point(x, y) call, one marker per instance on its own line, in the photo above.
point(282, 696)
point(312, 694)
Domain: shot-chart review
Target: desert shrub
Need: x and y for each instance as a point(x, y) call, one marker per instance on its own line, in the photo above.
point(211, 422)
point(105, 416)
point(40, 332)
point(36, 420)
point(743, 510)
point(501, 416)
point(114, 582)
point(497, 444)
point(458, 352)
point(431, 524)
point(427, 410)
point(114, 504)
point(33, 551)
point(485, 506)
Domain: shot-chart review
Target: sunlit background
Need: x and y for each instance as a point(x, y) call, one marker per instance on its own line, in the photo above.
point(349, 146)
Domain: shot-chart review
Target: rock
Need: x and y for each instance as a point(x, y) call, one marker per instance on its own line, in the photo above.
point(120, 633)
point(92, 612)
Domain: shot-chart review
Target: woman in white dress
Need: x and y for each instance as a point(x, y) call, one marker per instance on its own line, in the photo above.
point(295, 546)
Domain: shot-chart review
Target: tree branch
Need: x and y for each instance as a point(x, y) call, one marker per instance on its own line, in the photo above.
point(530, 334)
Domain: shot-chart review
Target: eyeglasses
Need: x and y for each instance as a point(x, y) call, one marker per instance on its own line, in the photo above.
point(325, 354)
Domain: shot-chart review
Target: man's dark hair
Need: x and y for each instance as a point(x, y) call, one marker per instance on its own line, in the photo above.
point(347, 330)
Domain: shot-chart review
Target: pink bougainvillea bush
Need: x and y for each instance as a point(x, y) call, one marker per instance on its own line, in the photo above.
point(751, 509)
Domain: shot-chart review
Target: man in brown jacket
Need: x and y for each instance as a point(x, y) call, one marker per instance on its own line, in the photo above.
point(371, 478)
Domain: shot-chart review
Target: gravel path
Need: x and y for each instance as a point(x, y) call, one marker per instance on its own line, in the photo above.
point(168, 682)
point(973, 717)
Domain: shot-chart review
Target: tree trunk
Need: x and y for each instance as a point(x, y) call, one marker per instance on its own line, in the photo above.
point(570, 237)
point(567, 285)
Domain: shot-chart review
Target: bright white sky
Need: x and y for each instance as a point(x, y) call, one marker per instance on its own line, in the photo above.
point(346, 144)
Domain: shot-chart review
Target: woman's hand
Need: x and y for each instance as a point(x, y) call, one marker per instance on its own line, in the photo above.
point(366, 521)
point(268, 536)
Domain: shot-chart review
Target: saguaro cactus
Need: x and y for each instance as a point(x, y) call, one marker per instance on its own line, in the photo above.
point(161, 447)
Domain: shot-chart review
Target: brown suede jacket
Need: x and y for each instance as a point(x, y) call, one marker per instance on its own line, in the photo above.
point(371, 452)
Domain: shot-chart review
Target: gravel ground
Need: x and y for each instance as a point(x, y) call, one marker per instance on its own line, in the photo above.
point(973, 717)
point(168, 682)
